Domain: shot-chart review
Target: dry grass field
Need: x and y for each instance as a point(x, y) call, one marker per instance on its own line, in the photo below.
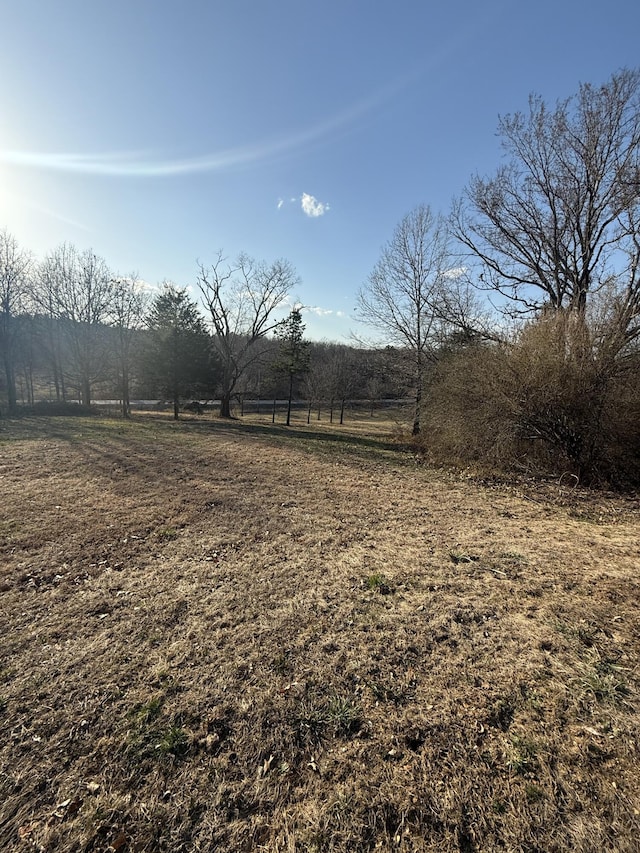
point(237, 637)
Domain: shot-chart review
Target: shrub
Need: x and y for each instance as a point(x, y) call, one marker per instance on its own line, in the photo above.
point(554, 400)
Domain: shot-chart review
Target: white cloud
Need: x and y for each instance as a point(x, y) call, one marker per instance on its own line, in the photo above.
point(455, 272)
point(317, 310)
point(312, 207)
point(322, 312)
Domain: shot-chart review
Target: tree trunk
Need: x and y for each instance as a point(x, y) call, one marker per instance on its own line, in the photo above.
point(126, 403)
point(176, 408)
point(416, 417)
point(289, 400)
point(56, 384)
point(225, 405)
point(11, 384)
point(30, 396)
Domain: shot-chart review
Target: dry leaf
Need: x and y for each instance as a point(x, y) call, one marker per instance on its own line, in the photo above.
point(74, 807)
point(119, 843)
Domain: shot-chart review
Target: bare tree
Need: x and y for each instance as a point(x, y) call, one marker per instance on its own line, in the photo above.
point(556, 235)
point(14, 268)
point(128, 308)
point(44, 295)
point(241, 301)
point(314, 382)
point(341, 376)
point(560, 221)
point(402, 299)
point(27, 351)
point(76, 289)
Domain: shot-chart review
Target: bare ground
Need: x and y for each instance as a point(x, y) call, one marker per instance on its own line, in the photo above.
point(237, 637)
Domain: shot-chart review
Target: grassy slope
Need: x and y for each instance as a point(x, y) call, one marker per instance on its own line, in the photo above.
point(236, 637)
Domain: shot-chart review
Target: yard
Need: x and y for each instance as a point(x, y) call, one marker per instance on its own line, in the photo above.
point(233, 636)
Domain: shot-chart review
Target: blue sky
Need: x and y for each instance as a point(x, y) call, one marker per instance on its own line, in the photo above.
point(159, 132)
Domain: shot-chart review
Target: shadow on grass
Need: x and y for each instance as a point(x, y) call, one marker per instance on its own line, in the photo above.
point(143, 429)
point(301, 434)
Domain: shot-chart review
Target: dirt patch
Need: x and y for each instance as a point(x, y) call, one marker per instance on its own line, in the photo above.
point(239, 637)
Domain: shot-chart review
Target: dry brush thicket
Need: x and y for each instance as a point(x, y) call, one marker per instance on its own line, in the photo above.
point(545, 403)
point(225, 636)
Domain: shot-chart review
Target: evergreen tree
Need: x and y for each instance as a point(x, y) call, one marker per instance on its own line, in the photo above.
point(177, 355)
point(293, 357)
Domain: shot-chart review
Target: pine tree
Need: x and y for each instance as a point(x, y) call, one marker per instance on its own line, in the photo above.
point(293, 356)
point(178, 351)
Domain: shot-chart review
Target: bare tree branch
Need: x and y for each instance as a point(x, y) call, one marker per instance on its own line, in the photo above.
point(242, 300)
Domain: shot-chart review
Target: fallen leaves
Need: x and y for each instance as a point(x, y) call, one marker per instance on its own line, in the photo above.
point(66, 809)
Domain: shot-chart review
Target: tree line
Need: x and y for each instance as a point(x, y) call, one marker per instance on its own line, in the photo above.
point(71, 330)
point(513, 320)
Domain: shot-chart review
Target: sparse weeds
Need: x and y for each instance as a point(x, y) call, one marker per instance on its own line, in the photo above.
point(599, 673)
point(522, 758)
point(151, 736)
point(391, 685)
point(535, 702)
point(534, 793)
point(513, 557)
point(144, 713)
point(605, 680)
point(310, 722)
point(585, 632)
point(281, 663)
point(344, 715)
point(166, 534)
point(377, 582)
point(510, 564)
point(337, 715)
point(164, 679)
point(173, 740)
point(143, 727)
point(502, 713)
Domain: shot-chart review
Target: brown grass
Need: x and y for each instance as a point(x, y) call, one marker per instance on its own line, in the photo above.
point(241, 637)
